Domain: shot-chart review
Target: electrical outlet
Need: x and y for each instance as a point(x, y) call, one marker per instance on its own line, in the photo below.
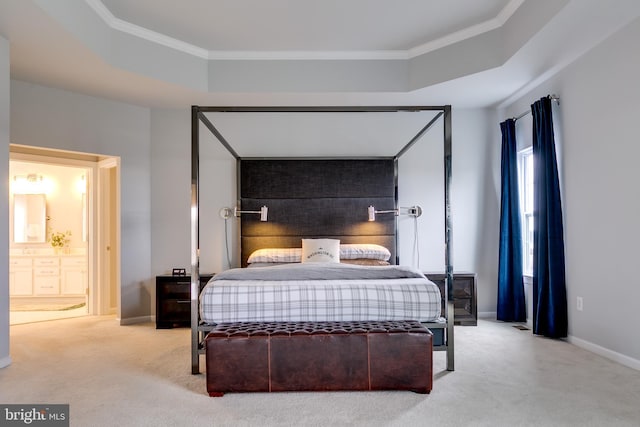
point(579, 303)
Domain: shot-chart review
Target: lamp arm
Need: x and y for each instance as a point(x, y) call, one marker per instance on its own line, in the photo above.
point(264, 211)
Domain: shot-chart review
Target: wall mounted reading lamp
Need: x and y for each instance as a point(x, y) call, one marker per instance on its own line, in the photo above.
point(414, 211)
point(226, 213)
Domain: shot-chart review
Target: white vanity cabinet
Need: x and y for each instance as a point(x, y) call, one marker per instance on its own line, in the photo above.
point(46, 276)
point(73, 275)
point(20, 277)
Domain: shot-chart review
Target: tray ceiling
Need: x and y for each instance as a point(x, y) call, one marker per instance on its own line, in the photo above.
point(173, 54)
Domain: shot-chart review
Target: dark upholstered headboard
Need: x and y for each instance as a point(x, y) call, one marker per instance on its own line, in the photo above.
point(316, 198)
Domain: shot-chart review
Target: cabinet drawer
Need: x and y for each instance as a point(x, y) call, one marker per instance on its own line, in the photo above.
point(20, 262)
point(173, 312)
point(463, 287)
point(465, 312)
point(46, 262)
point(462, 307)
point(174, 290)
point(46, 285)
point(176, 309)
point(46, 271)
point(73, 262)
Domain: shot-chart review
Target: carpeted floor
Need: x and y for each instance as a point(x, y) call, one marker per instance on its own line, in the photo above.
point(139, 376)
point(22, 317)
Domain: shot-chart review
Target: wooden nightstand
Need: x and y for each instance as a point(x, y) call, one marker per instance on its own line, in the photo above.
point(464, 296)
point(173, 300)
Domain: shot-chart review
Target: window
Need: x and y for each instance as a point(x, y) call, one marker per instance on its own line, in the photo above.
point(525, 168)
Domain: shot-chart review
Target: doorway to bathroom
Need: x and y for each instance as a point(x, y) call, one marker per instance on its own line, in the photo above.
point(63, 258)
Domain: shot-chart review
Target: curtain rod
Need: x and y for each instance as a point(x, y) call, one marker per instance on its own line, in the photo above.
point(551, 97)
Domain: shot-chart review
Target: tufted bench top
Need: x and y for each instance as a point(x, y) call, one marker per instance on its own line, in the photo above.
point(250, 329)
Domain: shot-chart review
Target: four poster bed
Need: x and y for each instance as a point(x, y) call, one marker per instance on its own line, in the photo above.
point(320, 302)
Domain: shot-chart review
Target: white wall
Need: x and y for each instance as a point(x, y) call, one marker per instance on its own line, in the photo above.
point(421, 182)
point(52, 118)
point(170, 189)
point(171, 195)
point(599, 109)
point(475, 203)
point(5, 359)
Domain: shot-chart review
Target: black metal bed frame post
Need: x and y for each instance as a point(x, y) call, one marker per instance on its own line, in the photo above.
point(448, 237)
point(195, 238)
point(397, 207)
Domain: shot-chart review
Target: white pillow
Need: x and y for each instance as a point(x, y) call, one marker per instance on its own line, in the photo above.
point(275, 255)
point(320, 250)
point(364, 251)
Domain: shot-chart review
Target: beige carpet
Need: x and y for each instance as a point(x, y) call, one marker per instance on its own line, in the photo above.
point(21, 317)
point(139, 376)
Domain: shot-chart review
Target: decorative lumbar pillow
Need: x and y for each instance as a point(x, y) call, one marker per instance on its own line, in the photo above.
point(320, 250)
point(364, 251)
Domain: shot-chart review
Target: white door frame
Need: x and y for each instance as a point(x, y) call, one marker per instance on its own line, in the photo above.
point(103, 201)
point(107, 242)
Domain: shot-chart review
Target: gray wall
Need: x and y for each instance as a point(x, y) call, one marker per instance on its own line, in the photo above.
point(5, 359)
point(51, 118)
point(599, 148)
point(171, 195)
point(475, 202)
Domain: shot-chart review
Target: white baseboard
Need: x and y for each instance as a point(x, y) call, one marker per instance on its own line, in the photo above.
point(605, 352)
point(136, 320)
point(5, 361)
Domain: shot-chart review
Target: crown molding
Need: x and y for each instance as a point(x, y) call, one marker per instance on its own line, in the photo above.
point(469, 32)
point(308, 55)
point(143, 33)
point(161, 39)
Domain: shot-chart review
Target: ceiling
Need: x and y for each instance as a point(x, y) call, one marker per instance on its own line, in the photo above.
point(164, 53)
point(306, 25)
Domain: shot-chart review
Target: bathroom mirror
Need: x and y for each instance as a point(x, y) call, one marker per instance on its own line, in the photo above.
point(29, 218)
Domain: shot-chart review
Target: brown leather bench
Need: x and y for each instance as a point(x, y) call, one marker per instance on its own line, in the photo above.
point(319, 356)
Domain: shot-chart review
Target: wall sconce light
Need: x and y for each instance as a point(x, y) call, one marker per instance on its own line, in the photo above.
point(30, 184)
point(81, 185)
point(414, 211)
point(226, 213)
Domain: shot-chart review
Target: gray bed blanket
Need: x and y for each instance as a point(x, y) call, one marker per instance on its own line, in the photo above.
point(319, 271)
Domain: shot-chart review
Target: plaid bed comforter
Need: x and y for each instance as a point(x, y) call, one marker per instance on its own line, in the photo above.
point(319, 293)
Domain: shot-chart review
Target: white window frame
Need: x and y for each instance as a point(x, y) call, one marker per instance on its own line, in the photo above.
point(525, 187)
